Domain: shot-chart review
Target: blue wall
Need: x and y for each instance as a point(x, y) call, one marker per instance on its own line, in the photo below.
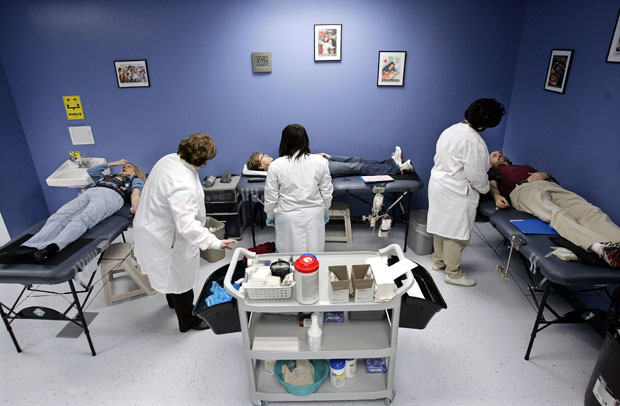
point(198, 55)
point(21, 198)
point(576, 135)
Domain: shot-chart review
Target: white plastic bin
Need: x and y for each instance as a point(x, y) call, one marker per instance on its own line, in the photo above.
point(419, 240)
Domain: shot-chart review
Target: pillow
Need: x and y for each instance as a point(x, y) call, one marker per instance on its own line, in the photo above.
point(249, 172)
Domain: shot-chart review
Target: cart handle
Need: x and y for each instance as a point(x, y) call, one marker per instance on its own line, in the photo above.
point(231, 270)
point(408, 282)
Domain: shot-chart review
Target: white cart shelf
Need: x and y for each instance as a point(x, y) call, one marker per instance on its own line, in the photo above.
point(351, 339)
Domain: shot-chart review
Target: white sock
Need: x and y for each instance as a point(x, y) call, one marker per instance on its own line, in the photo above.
point(597, 247)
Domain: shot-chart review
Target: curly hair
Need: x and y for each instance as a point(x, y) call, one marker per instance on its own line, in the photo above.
point(254, 161)
point(484, 113)
point(197, 149)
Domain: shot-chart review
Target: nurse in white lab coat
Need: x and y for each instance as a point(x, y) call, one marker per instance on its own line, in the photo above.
point(457, 180)
point(168, 227)
point(298, 194)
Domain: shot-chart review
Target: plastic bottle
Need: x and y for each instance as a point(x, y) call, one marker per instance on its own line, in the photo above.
point(307, 279)
point(350, 367)
point(336, 372)
point(315, 334)
point(269, 366)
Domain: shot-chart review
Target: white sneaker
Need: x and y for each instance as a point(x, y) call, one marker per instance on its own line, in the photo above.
point(406, 166)
point(438, 268)
point(397, 156)
point(462, 281)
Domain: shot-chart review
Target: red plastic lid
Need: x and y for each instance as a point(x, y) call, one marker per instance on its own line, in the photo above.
point(306, 264)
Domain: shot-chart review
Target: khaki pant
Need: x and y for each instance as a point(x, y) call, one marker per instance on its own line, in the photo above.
point(447, 252)
point(572, 216)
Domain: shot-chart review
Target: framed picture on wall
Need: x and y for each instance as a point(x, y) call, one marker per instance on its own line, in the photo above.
point(614, 48)
point(327, 42)
point(391, 70)
point(132, 73)
point(557, 72)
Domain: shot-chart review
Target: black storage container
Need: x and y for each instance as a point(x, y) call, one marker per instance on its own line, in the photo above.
point(214, 195)
point(604, 385)
point(223, 318)
point(416, 312)
point(232, 224)
point(221, 207)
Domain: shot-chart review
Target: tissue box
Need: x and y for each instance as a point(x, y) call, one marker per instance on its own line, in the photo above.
point(362, 286)
point(339, 288)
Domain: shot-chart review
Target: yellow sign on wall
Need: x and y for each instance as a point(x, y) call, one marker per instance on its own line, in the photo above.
point(73, 106)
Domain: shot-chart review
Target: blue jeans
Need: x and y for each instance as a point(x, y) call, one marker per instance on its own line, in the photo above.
point(74, 218)
point(340, 166)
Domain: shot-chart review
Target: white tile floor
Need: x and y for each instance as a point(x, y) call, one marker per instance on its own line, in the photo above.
point(470, 354)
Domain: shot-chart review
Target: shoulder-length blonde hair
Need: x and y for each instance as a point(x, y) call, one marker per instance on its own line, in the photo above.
point(139, 172)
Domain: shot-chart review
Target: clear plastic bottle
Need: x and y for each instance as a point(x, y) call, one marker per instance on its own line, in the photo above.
point(315, 334)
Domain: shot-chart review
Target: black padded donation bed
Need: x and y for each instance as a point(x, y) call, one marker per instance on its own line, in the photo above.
point(353, 186)
point(60, 268)
point(534, 251)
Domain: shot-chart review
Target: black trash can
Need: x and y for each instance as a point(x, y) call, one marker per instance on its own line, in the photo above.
point(416, 312)
point(604, 385)
point(222, 318)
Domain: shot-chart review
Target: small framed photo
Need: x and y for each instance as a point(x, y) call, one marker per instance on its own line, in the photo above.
point(391, 70)
point(614, 48)
point(132, 73)
point(327, 42)
point(559, 67)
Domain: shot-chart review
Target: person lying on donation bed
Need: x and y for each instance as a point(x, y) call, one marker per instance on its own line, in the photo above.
point(96, 203)
point(341, 166)
point(573, 217)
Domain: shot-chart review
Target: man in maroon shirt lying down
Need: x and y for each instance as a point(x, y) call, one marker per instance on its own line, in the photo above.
point(573, 217)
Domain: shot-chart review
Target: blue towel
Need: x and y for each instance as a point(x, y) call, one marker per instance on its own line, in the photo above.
point(533, 226)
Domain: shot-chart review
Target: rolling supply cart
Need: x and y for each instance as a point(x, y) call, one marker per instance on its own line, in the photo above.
point(358, 336)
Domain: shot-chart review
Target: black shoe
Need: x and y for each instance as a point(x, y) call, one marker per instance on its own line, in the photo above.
point(19, 255)
point(42, 255)
point(8, 257)
point(202, 325)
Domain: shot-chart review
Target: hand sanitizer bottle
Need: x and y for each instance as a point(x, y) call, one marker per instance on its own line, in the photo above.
point(315, 334)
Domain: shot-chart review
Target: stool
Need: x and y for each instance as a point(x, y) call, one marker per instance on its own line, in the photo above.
point(118, 258)
point(340, 210)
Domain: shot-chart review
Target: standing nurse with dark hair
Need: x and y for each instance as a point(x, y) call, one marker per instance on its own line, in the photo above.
point(457, 180)
point(298, 194)
point(169, 227)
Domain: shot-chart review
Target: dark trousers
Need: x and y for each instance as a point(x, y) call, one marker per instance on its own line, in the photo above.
point(183, 304)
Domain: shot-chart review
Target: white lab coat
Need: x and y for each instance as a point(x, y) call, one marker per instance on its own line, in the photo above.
point(172, 208)
point(297, 192)
point(457, 179)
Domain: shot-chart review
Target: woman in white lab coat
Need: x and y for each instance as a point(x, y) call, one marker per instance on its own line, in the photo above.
point(169, 227)
point(457, 180)
point(298, 194)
